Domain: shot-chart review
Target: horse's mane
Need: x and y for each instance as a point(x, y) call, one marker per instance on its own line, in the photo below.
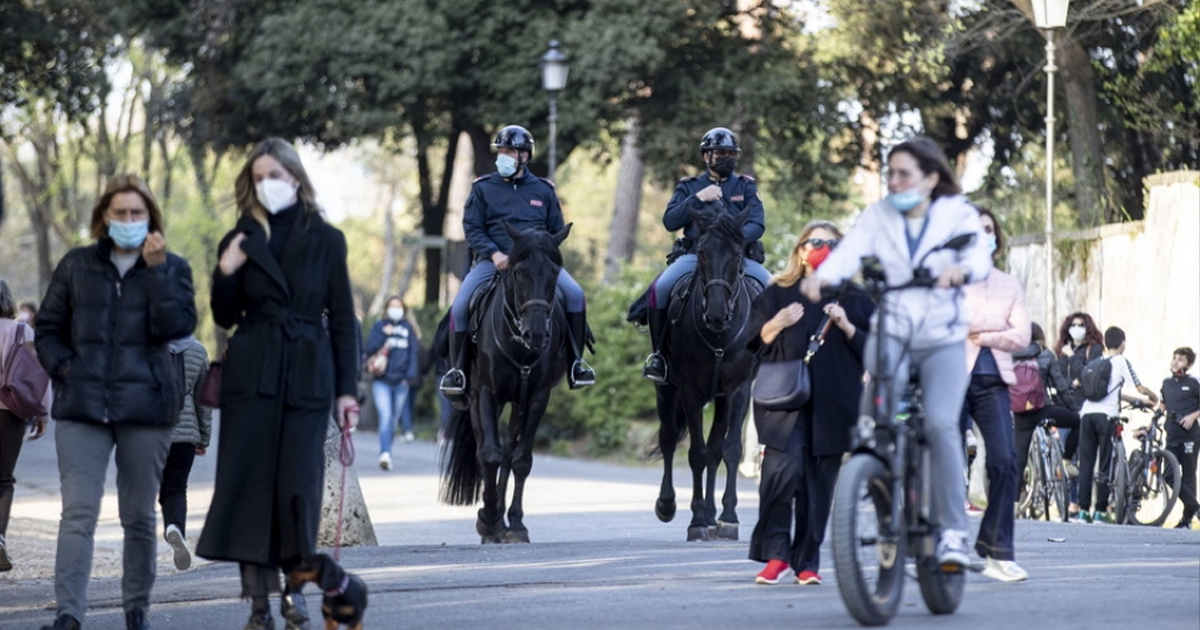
point(535, 241)
point(722, 224)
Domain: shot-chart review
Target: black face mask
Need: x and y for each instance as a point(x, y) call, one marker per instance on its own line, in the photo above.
point(723, 167)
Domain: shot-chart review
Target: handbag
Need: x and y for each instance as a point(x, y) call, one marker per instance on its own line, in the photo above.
point(787, 385)
point(377, 363)
point(23, 381)
point(210, 387)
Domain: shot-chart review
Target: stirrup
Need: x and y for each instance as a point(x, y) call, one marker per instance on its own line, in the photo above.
point(453, 383)
point(654, 377)
point(586, 373)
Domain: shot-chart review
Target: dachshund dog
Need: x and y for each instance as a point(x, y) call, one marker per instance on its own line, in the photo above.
point(345, 593)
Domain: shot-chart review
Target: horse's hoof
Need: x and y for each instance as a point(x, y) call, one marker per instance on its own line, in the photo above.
point(516, 535)
point(726, 531)
point(664, 510)
point(697, 532)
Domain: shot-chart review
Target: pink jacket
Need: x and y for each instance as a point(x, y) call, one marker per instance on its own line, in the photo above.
point(8, 336)
point(996, 319)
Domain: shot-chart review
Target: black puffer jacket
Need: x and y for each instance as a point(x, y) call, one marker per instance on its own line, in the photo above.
point(103, 338)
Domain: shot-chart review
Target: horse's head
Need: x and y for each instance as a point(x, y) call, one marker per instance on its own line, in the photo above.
point(719, 252)
point(534, 264)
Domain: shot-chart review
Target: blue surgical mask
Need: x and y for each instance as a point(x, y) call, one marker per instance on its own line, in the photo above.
point(129, 235)
point(990, 241)
point(907, 200)
point(506, 165)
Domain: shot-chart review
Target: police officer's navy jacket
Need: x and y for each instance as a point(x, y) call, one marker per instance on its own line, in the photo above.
point(526, 201)
point(738, 192)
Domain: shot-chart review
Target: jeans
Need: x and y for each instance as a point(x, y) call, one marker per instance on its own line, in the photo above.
point(84, 450)
point(12, 436)
point(1095, 448)
point(988, 404)
point(391, 401)
point(483, 271)
point(172, 496)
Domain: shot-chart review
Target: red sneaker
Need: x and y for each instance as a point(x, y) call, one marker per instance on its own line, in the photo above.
point(808, 578)
point(774, 572)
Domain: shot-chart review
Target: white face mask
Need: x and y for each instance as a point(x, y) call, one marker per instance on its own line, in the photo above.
point(275, 194)
point(1077, 333)
point(395, 313)
point(23, 317)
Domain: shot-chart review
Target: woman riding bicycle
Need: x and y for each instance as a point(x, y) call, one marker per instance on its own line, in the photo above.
point(927, 326)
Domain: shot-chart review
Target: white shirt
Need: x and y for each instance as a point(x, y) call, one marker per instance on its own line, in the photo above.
point(1122, 374)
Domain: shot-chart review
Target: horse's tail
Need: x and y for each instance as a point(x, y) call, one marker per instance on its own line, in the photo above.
point(462, 478)
point(681, 431)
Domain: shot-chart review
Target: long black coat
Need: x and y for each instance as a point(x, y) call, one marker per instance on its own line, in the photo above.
point(103, 338)
point(295, 349)
point(836, 369)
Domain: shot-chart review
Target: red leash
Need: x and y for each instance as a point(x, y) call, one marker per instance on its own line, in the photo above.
point(346, 458)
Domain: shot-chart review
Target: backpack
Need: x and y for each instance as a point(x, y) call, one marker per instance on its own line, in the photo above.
point(23, 381)
point(1029, 394)
point(1096, 374)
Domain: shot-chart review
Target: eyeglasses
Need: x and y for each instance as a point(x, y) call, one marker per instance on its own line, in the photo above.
point(818, 243)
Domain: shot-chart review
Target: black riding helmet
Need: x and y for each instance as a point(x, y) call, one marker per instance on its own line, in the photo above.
point(719, 138)
point(514, 137)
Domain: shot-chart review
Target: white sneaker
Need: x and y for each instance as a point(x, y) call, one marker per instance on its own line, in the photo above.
point(183, 557)
point(952, 548)
point(1004, 570)
point(408, 436)
point(385, 461)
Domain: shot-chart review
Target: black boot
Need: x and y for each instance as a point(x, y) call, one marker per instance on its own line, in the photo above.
point(581, 374)
point(64, 622)
point(294, 610)
point(136, 620)
point(454, 382)
point(655, 368)
point(260, 615)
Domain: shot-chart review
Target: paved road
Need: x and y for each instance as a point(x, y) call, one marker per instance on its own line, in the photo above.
point(601, 560)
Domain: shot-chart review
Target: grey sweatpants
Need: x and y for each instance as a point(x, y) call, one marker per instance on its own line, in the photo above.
point(944, 378)
point(83, 454)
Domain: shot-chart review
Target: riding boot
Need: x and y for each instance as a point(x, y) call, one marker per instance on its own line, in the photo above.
point(580, 374)
point(454, 383)
point(655, 368)
point(260, 614)
point(294, 609)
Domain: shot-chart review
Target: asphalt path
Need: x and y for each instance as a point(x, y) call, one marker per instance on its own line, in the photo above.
point(600, 559)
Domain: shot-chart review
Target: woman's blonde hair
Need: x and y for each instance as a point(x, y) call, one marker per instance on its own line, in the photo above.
point(285, 154)
point(797, 266)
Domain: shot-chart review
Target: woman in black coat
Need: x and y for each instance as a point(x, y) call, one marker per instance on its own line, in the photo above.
point(282, 280)
point(804, 448)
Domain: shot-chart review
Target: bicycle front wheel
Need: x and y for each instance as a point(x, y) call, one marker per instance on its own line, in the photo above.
point(1154, 488)
point(1119, 485)
point(868, 549)
point(1056, 482)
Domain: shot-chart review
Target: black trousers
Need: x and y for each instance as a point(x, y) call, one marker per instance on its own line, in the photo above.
point(1025, 423)
point(172, 494)
point(1185, 452)
point(12, 435)
point(988, 404)
point(1095, 448)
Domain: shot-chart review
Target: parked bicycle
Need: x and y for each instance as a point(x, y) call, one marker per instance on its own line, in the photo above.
point(1153, 477)
point(1045, 480)
point(882, 501)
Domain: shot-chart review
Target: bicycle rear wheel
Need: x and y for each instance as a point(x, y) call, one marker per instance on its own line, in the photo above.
point(1119, 485)
point(941, 590)
point(868, 559)
point(1028, 490)
point(1056, 482)
point(1153, 492)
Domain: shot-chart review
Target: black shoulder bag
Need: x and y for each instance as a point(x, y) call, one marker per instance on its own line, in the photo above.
point(786, 385)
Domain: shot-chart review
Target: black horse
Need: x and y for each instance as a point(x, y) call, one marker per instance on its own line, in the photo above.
point(520, 355)
point(706, 347)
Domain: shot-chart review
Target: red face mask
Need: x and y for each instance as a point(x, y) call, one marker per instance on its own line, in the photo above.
point(817, 256)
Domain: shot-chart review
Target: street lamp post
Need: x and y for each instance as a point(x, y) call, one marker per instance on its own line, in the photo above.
point(555, 67)
point(1050, 16)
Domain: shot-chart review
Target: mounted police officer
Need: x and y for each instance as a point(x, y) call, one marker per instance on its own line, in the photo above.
point(719, 150)
point(514, 194)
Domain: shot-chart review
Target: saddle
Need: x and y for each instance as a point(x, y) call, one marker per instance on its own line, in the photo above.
point(481, 300)
point(683, 288)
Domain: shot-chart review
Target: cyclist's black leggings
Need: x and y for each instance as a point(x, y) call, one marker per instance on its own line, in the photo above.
point(1024, 423)
point(1095, 447)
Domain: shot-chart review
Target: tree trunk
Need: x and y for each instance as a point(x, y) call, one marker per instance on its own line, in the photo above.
point(356, 526)
point(481, 142)
point(389, 255)
point(1083, 122)
point(622, 234)
point(433, 209)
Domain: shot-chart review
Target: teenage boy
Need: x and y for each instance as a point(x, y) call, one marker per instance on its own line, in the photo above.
point(1095, 426)
point(1181, 400)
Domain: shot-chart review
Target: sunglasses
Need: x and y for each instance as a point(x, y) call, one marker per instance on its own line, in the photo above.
point(818, 243)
